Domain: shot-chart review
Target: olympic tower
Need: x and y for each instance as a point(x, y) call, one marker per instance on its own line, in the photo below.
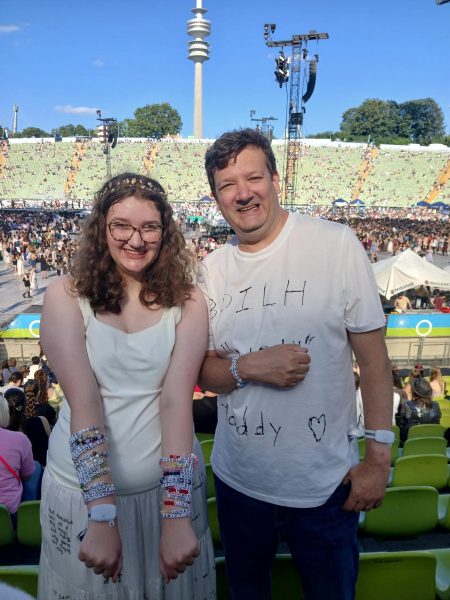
point(199, 28)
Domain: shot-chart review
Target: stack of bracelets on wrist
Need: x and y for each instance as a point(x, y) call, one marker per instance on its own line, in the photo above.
point(91, 466)
point(176, 485)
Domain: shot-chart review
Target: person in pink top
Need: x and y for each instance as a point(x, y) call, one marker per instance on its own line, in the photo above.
point(16, 461)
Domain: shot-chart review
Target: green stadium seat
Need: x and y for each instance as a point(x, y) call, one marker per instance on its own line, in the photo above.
point(396, 576)
point(428, 430)
point(214, 522)
point(7, 533)
point(425, 445)
point(405, 512)
point(210, 483)
point(442, 572)
point(24, 577)
point(29, 524)
point(207, 446)
point(425, 469)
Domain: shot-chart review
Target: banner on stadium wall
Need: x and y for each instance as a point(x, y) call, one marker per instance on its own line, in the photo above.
point(23, 326)
point(418, 325)
point(398, 325)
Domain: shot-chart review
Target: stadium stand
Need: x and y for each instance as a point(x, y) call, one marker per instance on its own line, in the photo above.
point(35, 171)
point(179, 167)
point(402, 178)
point(392, 176)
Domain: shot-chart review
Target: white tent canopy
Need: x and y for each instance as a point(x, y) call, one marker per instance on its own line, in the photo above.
point(407, 270)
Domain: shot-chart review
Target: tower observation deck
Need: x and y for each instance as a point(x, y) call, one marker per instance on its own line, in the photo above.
point(199, 28)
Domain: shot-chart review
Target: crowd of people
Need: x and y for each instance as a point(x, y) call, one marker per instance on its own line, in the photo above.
point(33, 242)
point(47, 238)
point(30, 399)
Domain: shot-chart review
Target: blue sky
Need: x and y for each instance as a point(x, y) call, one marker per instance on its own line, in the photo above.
point(60, 56)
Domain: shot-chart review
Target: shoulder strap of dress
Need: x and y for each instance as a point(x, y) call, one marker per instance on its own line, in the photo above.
point(86, 310)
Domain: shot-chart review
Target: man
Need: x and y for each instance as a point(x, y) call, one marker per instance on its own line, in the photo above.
point(402, 303)
point(35, 365)
point(9, 370)
point(290, 298)
point(14, 382)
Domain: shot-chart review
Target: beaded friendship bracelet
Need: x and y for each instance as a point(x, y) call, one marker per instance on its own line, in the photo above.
point(176, 485)
point(91, 466)
point(87, 475)
point(98, 490)
point(240, 383)
point(94, 458)
point(80, 446)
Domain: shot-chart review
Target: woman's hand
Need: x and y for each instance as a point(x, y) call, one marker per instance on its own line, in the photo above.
point(101, 550)
point(179, 547)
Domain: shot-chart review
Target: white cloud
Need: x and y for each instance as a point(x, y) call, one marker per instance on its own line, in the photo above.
point(98, 63)
point(9, 28)
point(75, 110)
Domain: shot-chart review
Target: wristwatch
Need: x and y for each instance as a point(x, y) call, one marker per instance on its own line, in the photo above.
point(383, 436)
point(105, 513)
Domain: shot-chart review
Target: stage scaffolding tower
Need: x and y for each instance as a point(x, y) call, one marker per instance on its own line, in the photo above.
point(298, 68)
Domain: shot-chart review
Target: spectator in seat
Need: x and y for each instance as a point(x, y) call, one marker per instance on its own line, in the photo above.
point(420, 410)
point(16, 462)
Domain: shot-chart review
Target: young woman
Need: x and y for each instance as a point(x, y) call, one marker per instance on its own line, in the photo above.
point(416, 373)
point(421, 409)
point(43, 408)
point(437, 382)
point(126, 334)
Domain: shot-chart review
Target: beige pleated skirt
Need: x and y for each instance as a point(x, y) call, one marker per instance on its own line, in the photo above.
point(62, 576)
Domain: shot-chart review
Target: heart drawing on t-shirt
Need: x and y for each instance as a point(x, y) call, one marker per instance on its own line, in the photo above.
point(318, 426)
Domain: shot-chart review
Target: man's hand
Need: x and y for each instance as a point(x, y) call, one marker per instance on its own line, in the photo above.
point(283, 365)
point(101, 550)
point(369, 480)
point(179, 547)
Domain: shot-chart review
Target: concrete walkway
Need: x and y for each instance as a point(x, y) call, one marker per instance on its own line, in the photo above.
point(12, 288)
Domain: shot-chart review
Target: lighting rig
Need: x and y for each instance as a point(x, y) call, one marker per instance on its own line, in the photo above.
point(263, 124)
point(300, 70)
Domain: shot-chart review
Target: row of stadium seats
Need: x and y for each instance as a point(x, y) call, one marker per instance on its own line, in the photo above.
point(413, 575)
point(34, 171)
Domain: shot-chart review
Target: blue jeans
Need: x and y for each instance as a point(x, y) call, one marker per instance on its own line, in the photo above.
point(322, 541)
point(32, 486)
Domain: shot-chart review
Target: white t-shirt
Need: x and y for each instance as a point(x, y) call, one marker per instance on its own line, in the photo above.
point(310, 286)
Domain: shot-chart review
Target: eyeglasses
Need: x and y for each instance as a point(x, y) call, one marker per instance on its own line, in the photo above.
point(123, 232)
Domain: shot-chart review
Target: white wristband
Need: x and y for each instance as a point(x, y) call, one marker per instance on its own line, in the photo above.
point(103, 513)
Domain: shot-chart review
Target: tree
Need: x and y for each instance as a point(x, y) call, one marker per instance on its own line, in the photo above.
point(375, 118)
point(30, 132)
point(154, 120)
point(324, 135)
point(426, 119)
point(71, 130)
point(420, 121)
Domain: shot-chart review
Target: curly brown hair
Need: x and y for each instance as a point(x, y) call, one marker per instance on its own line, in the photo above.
point(41, 379)
point(166, 282)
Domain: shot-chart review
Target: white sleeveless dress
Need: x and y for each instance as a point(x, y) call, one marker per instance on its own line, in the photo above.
point(130, 370)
